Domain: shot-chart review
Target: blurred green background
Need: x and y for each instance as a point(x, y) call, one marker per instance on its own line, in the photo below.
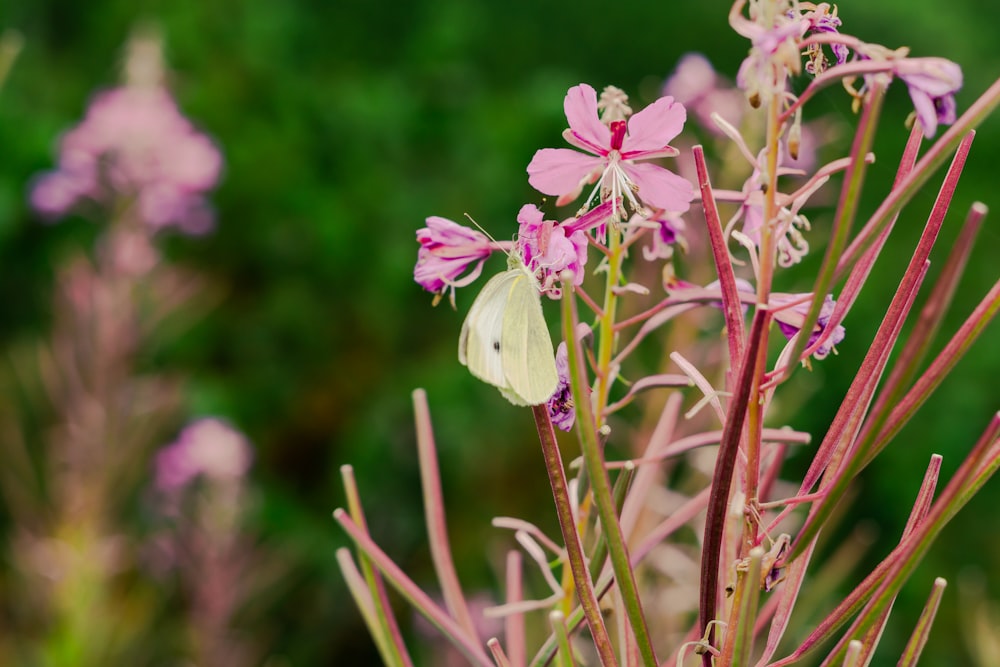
point(343, 125)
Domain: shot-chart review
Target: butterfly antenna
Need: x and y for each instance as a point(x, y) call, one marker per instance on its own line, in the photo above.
point(488, 235)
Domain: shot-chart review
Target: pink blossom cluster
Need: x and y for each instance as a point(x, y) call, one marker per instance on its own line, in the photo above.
point(134, 146)
point(208, 447)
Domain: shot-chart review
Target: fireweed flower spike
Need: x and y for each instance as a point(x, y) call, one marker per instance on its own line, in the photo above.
point(614, 150)
point(135, 143)
point(447, 249)
point(774, 52)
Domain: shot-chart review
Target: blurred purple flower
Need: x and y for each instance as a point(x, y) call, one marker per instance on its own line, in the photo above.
point(134, 143)
point(446, 251)
point(823, 21)
point(790, 320)
point(208, 447)
point(932, 83)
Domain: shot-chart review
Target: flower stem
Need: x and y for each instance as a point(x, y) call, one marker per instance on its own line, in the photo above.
point(574, 549)
point(593, 459)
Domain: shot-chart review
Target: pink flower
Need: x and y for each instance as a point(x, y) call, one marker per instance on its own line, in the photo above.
point(613, 152)
point(695, 84)
point(545, 244)
point(446, 251)
point(932, 83)
point(552, 247)
point(209, 447)
point(134, 143)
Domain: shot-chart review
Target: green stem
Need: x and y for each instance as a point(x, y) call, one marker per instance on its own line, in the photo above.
point(593, 459)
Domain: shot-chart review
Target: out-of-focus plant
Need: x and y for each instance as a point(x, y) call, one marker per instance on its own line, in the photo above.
point(83, 584)
point(748, 587)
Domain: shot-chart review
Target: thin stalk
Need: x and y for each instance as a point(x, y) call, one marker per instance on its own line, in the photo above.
point(571, 538)
point(357, 586)
point(496, 650)
point(434, 512)
point(915, 646)
point(513, 629)
point(409, 590)
point(593, 458)
point(745, 608)
point(722, 478)
point(387, 626)
point(933, 312)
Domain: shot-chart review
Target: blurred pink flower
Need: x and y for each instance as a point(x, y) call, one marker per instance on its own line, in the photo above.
point(613, 151)
point(134, 142)
point(695, 84)
point(932, 83)
point(208, 447)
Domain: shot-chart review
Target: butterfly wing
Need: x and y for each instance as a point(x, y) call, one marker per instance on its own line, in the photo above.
point(479, 344)
point(525, 345)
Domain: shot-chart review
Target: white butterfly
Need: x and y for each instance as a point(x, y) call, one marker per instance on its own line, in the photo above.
point(505, 340)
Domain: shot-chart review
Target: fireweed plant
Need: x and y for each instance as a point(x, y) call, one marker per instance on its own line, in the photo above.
point(621, 577)
point(81, 578)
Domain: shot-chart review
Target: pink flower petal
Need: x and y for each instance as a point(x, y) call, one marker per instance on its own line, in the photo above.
point(659, 187)
point(651, 129)
point(585, 125)
point(556, 171)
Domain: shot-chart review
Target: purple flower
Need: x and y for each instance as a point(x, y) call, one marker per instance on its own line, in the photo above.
point(822, 21)
point(790, 320)
point(446, 251)
point(207, 447)
point(667, 232)
point(561, 408)
point(134, 143)
point(612, 154)
point(932, 83)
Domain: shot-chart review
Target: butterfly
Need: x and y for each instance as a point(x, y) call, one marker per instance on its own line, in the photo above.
point(505, 340)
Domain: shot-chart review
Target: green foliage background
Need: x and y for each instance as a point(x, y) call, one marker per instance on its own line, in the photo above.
point(343, 125)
